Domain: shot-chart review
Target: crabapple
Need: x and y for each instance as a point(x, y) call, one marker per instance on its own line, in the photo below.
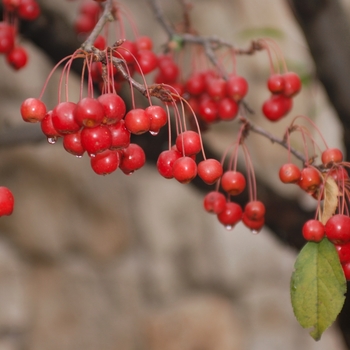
point(337, 229)
point(6, 201)
point(210, 170)
point(313, 230)
point(231, 215)
point(33, 110)
point(289, 173)
point(184, 169)
point(214, 202)
point(233, 182)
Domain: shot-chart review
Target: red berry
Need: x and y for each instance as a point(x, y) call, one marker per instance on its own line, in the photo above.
point(72, 144)
point(96, 140)
point(331, 155)
point(100, 43)
point(84, 24)
point(120, 135)
point(17, 58)
point(292, 84)
point(289, 173)
point(168, 69)
point(7, 37)
point(231, 215)
point(184, 169)
point(310, 179)
point(208, 110)
point(147, 61)
point(113, 106)
point(254, 225)
point(89, 112)
point(166, 161)
point(214, 202)
point(313, 230)
point(11, 5)
point(105, 162)
point(233, 182)
point(188, 143)
point(126, 51)
point(337, 229)
point(47, 127)
point(276, 107)
point(195, 84)
point(133, 158)
point(63, 118)
point(28, 10)
point(137, 121)
point(237, 87)
point(275, 83)
point(227, 109)
point(254, 210)
point(90, 9)
point(144, 43)
point(216, 88)
point(6, 201)
point(343, 251)
point(158, 118)
point(210, 170)
point(33, 110)
point(346, 270)
point(339, 174)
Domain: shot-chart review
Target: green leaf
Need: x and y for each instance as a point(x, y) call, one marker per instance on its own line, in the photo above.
point(261, 32)
point(318, 286)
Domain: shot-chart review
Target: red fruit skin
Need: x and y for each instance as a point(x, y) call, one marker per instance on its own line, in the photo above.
point(346, 270)
point(195, 84)
point(210, 170)
point(188, 143)
point(120, 135)
point(214, 202)
point(7, 201)
point(47, 126)
point(147, 62)
point(126, 51)
point(63, 118)
point(158, 118)
point(337, 229)
point(227, 109)
point(96, 140)
point(339, 174)
point(276, 107)
point(84, 24)
point(144, 43)
point(343, 251)
point(17, 58)
point(310, 180)
point(72, 144)
point(216, 88)
point(7, 37)
point(166, 161)
point(313, 230)
point(89, 112)
point(184, 169)
point(292, 84)
point(208, 110)
point(113, 106)
point(331, 155)
point(33, 110)
point(105, 162)
point(231, 215)
point(137, 121)
point(275, 83)
point(289, 173)
point(253, 225)
point(237, 87)
point(133, 158)
point(255, 210)
point(28, 10)
point(233, 182)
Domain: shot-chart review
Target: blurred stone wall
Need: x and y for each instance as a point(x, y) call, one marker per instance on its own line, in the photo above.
point(133, 262)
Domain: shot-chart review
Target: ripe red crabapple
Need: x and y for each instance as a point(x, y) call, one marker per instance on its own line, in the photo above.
point(113, 106)
point(120, 135)
point(292, 84)
point(158, 118)
point(343, 251)
point(254, 225)
point(210, 170)
point(166, 161)
point(89, 112)
point(231, 215)
point(276, 107)
point(72, 144)
point(17, 58)
point(289, 173)
point(188, 143)
point(105, 162)
point(184, 169)
point(96, 140)
point(310, 179)
point(254, 210)
point(337, 229)
point(346, 270)
point(133, 158)
point(313, 230)
point(275, 83)
point(137, 121)
point(7, 37)
point(237, 87)
point(28, 10)
point(6, 201)
point(331, 155)
point(63, 118)
point(33, 110)
point(214, 202)
point(233, 182)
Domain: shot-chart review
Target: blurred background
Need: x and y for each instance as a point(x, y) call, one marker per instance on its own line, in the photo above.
point(133, 262)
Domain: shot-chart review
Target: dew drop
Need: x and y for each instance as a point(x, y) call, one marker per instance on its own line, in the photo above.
point(154, 133)
point(92, 155)
point(255, 232)
point(79, 156)
point(229, 227)
point(52, 140)
point(130, 173)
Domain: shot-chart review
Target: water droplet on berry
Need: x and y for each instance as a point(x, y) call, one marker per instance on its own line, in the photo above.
point(229, 227)
point(79, 156)
point(254, 232)
point(92, 155)
point(52, 140)
point(154, 133)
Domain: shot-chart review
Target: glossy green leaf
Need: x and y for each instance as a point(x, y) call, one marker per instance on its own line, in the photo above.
point(318, 286)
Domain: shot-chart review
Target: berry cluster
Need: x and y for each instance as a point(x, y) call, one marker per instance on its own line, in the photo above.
point(89, 13)
point(28, 10)
point(329, 184)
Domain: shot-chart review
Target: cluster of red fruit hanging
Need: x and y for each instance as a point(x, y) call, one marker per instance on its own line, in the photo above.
point(314, 180)
point(15, 10)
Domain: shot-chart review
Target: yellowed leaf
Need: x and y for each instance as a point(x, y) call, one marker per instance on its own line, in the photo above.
point(330, 202)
